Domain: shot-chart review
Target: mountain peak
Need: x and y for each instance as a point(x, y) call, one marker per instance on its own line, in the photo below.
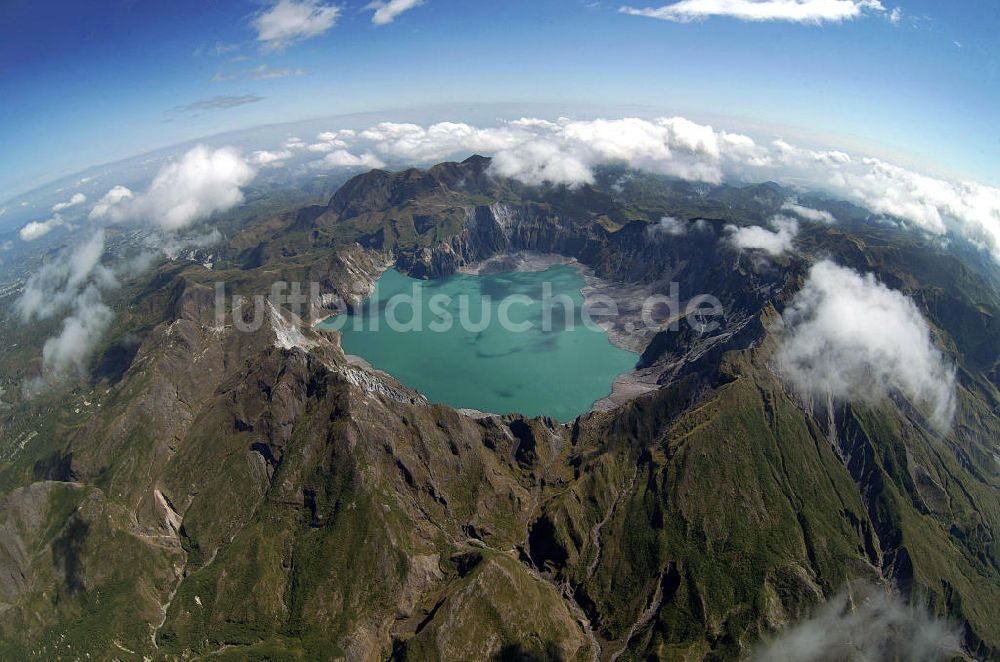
point(479, 161)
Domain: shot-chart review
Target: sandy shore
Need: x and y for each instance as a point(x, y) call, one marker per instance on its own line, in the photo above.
point(628, 387)
point(524, 261)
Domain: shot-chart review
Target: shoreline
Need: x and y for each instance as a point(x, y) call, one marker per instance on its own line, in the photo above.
point(521, 262)
point(625, 331)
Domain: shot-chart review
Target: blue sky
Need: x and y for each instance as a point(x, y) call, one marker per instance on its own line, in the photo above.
point(86, 83)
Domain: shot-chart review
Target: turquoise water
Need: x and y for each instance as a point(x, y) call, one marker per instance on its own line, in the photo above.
point(479, 362)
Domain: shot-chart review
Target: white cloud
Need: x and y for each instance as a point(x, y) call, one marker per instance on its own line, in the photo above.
point(288, 22)
point(199, 184)
point(174, 246)
point(53, 288)
point(410, 142)
point(73, 285)
point(931, 204)
point(7, 245)
point(566, 151)
point(895, 16)
point(796, 11)
point(326, 147)
point(81, 331)
point(37, 229)
point(668, 225)
point(538, 161)
point(344, 159)
point(264, 157)
point(328, 136)
point(77, 199)
point(868, 623)
point(386, 12)
point(808, 213)
point(110, 200)
point(850, 337)
point(536, 151)
point(73, 281)
point(329, 141)
point(191, 189)
point(754, 237)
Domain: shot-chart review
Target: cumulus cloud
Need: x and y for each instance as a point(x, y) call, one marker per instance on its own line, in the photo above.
point(931, 204)
point(265, 157)
point(192, 188)
point(386, 12)
point(867, 623)
point(669, 226)
point(81, 330)
point(174, 246)
point(410, 142)
point(773, 242)
point(109, 201)
point(326, 146)
point(795, 11)
point(565, 151)
point(850, 337)
point(808, 213)
point(288, 22)
point(328, 136)
point(52, 289)
point(343, 159)
point(538, 162)
point(37, 229)
point(77, 199)
point(199, 184)
point(72, 282)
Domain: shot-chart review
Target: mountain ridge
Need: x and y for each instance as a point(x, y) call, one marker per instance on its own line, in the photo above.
point(275, 499)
